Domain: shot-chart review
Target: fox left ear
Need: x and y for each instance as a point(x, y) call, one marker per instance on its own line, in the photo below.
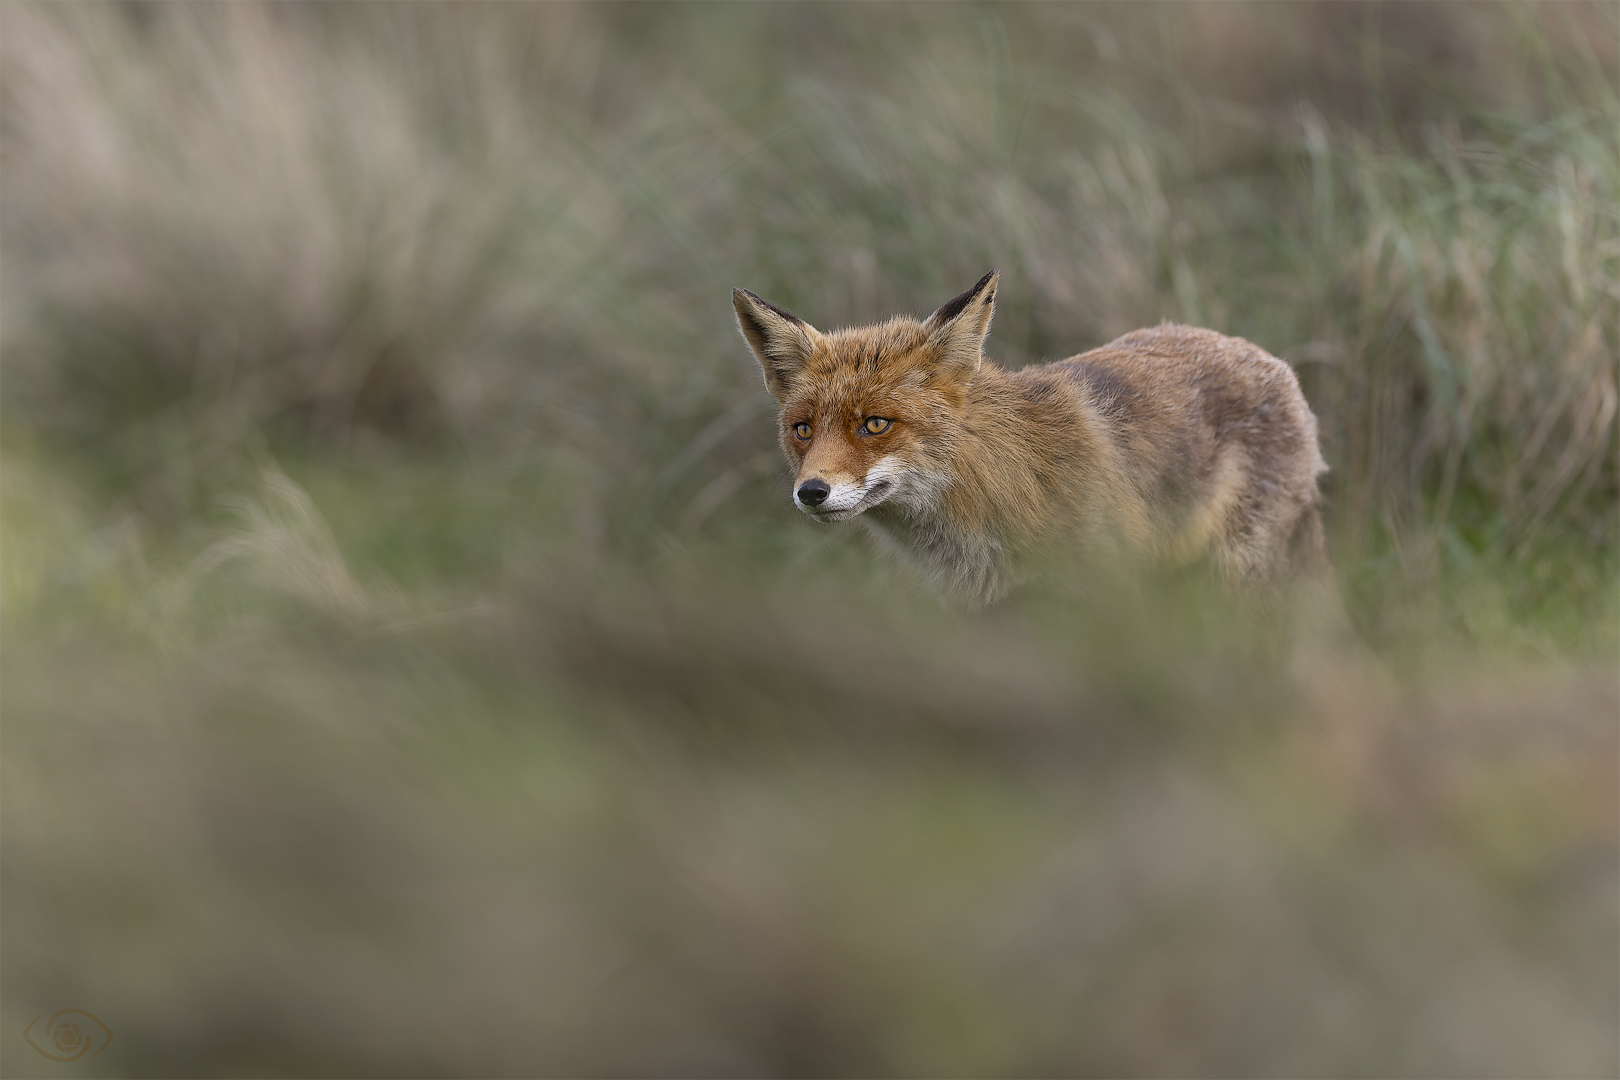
point(782, 342)
point(956, 332)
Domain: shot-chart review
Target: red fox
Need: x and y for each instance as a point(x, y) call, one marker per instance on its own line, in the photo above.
point(1161, 447)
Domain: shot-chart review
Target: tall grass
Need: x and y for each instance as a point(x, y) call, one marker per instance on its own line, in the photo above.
point(434, 223)
point(412, 665)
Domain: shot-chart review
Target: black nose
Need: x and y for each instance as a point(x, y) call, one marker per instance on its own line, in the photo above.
point(814, 492)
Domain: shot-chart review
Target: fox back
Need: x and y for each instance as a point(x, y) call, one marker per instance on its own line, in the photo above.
point(1164, 446)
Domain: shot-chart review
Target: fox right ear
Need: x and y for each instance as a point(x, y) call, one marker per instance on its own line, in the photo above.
point(782, 342)
point(956, 332)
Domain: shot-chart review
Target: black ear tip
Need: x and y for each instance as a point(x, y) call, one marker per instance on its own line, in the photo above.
point(959, 303)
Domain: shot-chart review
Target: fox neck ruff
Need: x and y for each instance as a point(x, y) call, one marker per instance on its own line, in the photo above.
point(1015, 479)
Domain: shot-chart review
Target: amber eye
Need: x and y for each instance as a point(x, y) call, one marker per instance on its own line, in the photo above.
point(802, 430)
point(876, 425)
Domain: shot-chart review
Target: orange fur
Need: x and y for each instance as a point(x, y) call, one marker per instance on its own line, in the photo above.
point(1166, 445)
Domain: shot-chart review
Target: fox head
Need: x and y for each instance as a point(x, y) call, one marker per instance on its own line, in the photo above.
point(870, 414)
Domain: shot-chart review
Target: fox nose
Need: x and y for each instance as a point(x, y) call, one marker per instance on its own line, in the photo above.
point(814, 492)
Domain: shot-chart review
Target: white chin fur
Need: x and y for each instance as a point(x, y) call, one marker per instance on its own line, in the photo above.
point(868, 496)
point(847, 500)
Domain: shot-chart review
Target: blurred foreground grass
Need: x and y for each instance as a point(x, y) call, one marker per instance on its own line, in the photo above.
point(412, 665)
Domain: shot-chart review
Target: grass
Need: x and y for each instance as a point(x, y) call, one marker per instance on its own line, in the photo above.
point(412, 665)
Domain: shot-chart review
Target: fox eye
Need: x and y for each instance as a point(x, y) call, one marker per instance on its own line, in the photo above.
point(802, 430)
point(876, 425)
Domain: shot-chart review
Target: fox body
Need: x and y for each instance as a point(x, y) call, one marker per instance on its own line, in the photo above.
point(1164, 446)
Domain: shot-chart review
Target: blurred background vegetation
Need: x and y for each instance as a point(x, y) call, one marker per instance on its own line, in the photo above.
point(406, 631)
